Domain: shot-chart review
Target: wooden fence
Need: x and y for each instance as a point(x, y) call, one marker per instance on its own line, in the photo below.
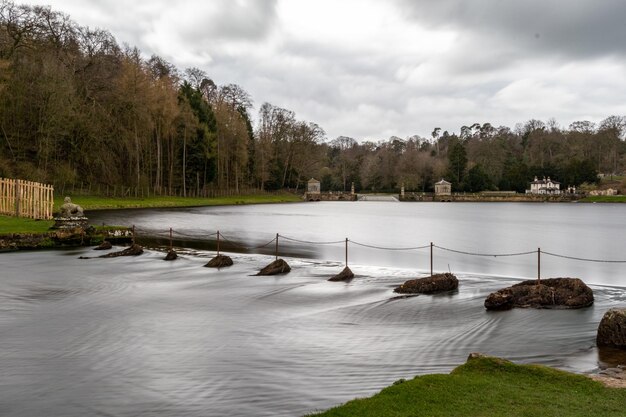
point(26, 199)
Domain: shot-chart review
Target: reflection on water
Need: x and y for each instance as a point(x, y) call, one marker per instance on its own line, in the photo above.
point(132, 336)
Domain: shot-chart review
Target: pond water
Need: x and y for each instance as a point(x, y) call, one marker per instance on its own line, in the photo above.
point(140, 336)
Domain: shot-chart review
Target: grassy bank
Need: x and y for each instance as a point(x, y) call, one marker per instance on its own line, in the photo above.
point(605, 199)
point(491, 387)
point(21, 225)
point(90, 202)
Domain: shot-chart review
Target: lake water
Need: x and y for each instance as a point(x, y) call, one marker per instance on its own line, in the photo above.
point(140, 336)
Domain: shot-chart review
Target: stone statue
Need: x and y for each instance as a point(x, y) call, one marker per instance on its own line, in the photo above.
point(69, 209)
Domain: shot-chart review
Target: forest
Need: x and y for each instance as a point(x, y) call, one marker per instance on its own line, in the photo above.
point(78, 108)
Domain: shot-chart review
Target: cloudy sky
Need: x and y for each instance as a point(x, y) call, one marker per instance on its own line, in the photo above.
point(372, 69)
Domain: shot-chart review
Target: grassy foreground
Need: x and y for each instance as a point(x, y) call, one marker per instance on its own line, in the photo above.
point(490, 387)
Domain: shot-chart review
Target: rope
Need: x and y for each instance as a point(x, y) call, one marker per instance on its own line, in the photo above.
point(311, 242)
point(175, 232)
point(583, 259)
point(247, 247)
point(336, 242)
point(386, 248)
point(495, 255)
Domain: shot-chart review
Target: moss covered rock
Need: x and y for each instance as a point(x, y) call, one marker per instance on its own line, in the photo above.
point(220, 261)
point(612, 329)
point(429, 285)
point(171, 255)
point(132, 250)
point(345, 275)
point(105, 245)
point(548, 293)
point(279, 266)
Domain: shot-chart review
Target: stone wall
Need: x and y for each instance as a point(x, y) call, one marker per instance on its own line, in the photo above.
point(489, 197)
point(330, 196)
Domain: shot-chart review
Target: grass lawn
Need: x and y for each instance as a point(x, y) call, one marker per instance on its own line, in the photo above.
point(98, 202)
point(605, 199)
point(491, 387)
point(21, 225)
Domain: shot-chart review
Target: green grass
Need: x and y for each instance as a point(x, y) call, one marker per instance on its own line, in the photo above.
point(21, 225)
point(605, 199)
point(491, 387)
point(98, 202)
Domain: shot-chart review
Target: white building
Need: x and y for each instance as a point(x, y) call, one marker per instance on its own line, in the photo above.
point(443, 187)
point(313, 186)
point(544, 186)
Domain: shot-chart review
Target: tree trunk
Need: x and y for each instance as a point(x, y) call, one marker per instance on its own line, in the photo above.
point(185, 162)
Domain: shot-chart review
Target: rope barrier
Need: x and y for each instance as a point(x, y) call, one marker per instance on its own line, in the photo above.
point(193, 236)
point(387, 248)
point(365, 245)
point(583, 259)
point(247, 248)
point(335, 242)
point(494, 255)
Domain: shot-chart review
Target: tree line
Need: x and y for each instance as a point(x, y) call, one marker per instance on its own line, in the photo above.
point(75, 106)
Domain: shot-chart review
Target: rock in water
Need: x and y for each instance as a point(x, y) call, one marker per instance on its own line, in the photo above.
point(132, 250)
point(171, 255)
point(562, 293)
point(345, 275)
point(612, 329)
point(104, 246)
point(219, 261)
point(279, 266)
point(429, 285)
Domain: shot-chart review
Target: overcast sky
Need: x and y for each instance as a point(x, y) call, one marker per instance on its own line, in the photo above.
point(372, 69)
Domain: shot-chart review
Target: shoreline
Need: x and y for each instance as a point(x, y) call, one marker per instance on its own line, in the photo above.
point(65, 238)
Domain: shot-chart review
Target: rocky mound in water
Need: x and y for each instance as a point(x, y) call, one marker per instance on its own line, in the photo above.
point(612, 329)
point(429, 285)
point(132, 250)
point(219, 261)
point(105, 245)
point(171, 255)
point(279, 266)
point(548, 293)
point(345, 275)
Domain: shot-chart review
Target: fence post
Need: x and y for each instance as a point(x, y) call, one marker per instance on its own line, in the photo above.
point(346, 252)
point(276, 246)
point(431, 259)
point(17, 198)
point(538, 266)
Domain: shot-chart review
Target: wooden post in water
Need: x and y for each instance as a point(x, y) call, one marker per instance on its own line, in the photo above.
point(276, 246)
point(218, 243)
point(538, 266)
point(431, 259)
point(346, 252)
point(171, 238)
point(133, 241)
